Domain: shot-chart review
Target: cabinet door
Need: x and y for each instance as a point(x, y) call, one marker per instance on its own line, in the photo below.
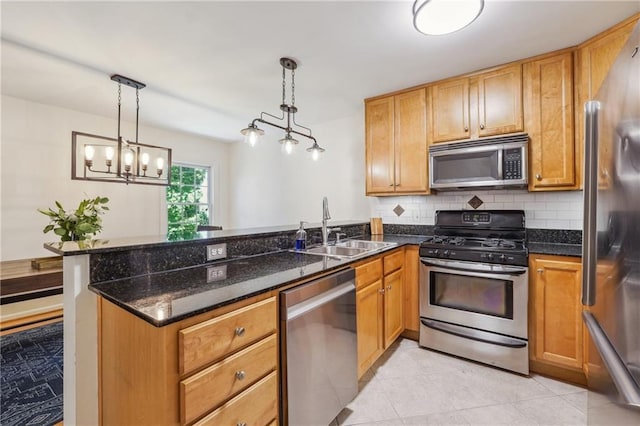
point(411, 142)
point(379, 116)
point(548, 107)
point(557, 338)
point(449, 110)
point(411, 311)
point(393, 301)
point(500, 101)
point(595, 58)
point(369, 317)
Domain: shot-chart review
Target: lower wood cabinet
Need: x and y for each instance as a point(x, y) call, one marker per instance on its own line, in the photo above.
point(411, 306)
point(379, 306)
point(215, 368)
point(555, 316)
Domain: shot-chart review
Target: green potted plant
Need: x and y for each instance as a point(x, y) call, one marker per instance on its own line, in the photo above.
point(79, 224)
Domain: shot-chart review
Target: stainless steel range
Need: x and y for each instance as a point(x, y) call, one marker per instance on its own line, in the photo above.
point(474, 287)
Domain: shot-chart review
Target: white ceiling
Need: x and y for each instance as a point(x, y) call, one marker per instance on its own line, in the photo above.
point(210, 66)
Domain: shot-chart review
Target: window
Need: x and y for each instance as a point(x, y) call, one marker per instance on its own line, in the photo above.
point(188, 200)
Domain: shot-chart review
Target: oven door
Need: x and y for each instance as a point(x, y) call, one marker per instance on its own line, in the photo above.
point(477, 295)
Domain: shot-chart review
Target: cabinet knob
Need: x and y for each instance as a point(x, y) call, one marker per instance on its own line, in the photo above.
point(388, 287)
point(604, 173)
point(466, 128)
point(239, 331)
point(392, 184)
point(241, 424)
point(539, 270)
point(481, 126)
point(538, 176)
point(381, 291)
point(240, 375)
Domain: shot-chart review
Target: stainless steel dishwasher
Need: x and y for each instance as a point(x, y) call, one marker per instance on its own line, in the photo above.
point(320, 350)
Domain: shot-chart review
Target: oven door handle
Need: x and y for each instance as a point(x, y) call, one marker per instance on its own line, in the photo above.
point(478, 335)
point(475, 267)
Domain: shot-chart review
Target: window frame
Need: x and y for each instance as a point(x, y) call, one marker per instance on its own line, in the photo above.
point(209, 194)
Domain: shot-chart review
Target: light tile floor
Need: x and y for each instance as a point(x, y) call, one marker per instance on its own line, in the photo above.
point(415, 386)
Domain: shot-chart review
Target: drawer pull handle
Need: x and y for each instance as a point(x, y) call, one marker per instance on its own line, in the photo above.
point(240, 375)
point(482, 127)
point(466, 129)
point(239, 331)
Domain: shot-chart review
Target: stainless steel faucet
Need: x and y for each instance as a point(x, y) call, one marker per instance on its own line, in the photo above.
point(325, 217)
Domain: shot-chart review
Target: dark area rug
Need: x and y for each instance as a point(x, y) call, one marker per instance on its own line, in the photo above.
point(31, 376)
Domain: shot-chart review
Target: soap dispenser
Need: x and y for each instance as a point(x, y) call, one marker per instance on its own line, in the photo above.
point(301, 237)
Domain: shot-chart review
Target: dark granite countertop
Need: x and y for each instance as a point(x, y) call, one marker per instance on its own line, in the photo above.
point(558, 249)
point(162, 298)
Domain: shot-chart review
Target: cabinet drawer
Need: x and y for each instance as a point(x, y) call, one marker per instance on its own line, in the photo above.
point(211, 340)
point(257, 406)
point(368, 273)
point(393, 261)
point(207, 389)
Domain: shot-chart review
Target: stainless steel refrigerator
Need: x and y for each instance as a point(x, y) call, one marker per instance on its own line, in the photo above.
point(611, 243)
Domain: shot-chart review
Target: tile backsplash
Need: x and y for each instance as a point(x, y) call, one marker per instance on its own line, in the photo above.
point(545, 210)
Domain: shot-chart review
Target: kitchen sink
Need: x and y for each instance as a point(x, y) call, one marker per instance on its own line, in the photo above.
point(348, 249)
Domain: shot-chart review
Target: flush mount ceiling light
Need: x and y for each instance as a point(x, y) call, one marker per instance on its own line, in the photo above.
point(438, 17)
point(101, 158)
point(287, 120)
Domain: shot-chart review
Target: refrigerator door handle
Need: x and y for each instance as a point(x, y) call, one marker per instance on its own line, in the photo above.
point(620, 375)
point(589, 253)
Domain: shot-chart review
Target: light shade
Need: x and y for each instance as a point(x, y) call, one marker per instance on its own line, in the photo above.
point(438, 17)
point(252, 134)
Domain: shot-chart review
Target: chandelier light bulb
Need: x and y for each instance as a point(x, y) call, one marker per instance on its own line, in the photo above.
point(160, 165)
point(108, 153)
point(89, 152)
point(315, 151)
point(438, 17)
point(145, 159)
point(288, 144)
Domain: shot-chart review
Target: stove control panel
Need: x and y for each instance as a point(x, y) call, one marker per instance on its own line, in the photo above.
point(476, 217)
point(474, 256)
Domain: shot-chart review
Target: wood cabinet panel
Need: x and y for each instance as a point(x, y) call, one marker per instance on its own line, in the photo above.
point(255, 406)
point(449, 110)
point(411, 310)
point(500, 101)
point(556, 311)
point(396, 144)
point(206, 342)
point(380, 156)
point(209, 388)
point(393, 302)
point(368, 273)
point(594, 59)
point(369, 317)
point(548, 93)
point(410, 127)
point(393, 261)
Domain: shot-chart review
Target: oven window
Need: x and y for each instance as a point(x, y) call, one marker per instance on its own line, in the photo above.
point(473, 294)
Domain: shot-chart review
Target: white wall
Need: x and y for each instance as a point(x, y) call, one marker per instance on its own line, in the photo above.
point(271, 188)
point(35, 169)
point(550, 210)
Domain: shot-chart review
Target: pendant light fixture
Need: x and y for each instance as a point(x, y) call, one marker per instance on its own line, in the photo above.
point(101, 158)
point(287, 120)
point(438, 17)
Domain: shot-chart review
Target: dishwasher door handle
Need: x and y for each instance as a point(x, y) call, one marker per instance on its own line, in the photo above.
point(319, 300)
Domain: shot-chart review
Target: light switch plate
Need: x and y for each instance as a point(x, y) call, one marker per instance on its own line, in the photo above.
point(217, 251)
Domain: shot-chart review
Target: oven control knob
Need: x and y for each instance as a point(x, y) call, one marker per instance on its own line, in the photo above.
point(446, 253)
point(490, 256)
point(503, 258)
point(436, 252)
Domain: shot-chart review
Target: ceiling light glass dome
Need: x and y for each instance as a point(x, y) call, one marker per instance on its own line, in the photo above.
point(438, 17)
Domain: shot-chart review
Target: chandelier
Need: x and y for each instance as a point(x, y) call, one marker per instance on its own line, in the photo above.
point(101, 158)
point(438, 17)
point(287, 121)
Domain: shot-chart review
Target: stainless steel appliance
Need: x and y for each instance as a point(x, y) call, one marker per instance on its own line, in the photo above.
point(499, 162)
point(319, 349)
point(474, 287)
point(611, 242)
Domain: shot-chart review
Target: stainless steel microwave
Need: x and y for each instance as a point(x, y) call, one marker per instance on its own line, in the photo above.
point(485, 163)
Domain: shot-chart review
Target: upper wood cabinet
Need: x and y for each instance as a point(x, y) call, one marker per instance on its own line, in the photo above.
point(482, 105)
point(555, 310)
point(594, 59)
point(396, 144)
point(548, 111)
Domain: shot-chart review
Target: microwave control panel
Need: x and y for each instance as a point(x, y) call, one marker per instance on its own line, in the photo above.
point(512, 163)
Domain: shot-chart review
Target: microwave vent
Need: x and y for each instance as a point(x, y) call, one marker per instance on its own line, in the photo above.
point(501, 140)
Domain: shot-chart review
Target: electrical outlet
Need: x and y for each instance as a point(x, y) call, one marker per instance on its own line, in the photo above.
point(216, 273)
point(217, 251)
